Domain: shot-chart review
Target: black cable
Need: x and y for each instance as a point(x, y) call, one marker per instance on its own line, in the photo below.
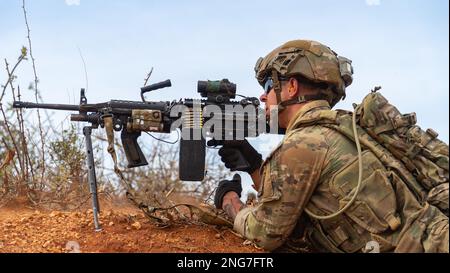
point(165, 141)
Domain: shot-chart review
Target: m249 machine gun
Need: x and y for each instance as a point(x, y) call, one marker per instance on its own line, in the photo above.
point(217, 115)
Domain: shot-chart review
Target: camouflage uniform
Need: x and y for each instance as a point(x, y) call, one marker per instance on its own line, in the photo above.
point(316, 167)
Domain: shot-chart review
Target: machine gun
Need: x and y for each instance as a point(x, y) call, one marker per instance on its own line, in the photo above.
point(216, 116)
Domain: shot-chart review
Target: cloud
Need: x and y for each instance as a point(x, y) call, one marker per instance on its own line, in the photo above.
point(373, 2)
point(73, 2)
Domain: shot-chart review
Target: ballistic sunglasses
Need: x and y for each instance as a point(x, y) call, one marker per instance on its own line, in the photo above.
point(268, 84)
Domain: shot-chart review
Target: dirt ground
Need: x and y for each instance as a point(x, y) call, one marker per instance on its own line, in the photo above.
point(124, 229)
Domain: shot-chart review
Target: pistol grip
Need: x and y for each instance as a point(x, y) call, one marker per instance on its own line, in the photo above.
point(133, 152)
point(241, 164)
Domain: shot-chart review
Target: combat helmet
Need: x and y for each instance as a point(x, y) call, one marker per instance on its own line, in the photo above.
point(311, 60)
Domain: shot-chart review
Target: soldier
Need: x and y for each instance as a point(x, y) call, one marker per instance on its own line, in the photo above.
point(306, 186)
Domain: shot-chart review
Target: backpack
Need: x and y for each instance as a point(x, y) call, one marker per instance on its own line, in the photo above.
point(421, 152)
point(418, 156)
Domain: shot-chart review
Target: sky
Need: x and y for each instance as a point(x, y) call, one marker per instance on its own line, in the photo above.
point(401, 45)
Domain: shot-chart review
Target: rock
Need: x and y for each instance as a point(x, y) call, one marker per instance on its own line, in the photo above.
point(55, 250)
point(136, 225)
point(46, 244)
point(218, 236)
point(172, 240)
point(54, 214)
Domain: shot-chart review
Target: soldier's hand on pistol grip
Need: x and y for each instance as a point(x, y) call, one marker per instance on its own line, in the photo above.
point(235, 152)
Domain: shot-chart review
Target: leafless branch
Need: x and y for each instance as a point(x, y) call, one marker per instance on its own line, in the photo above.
point(11, 74)
point(35, 92)
point(148, 77)
point(85, 69)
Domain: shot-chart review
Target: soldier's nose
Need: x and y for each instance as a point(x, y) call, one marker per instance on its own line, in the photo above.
point(263, 98)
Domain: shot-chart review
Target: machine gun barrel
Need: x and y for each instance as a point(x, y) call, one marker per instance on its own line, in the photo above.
point(66, 107)
point(120, 105)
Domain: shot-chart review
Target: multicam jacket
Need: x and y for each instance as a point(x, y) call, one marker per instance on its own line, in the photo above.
point(316, 167)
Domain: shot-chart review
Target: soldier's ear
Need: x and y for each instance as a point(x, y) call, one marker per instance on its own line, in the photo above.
point(293, 87)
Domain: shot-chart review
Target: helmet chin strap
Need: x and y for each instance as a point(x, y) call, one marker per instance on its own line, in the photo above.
point(277, 89)
point(300, 99)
